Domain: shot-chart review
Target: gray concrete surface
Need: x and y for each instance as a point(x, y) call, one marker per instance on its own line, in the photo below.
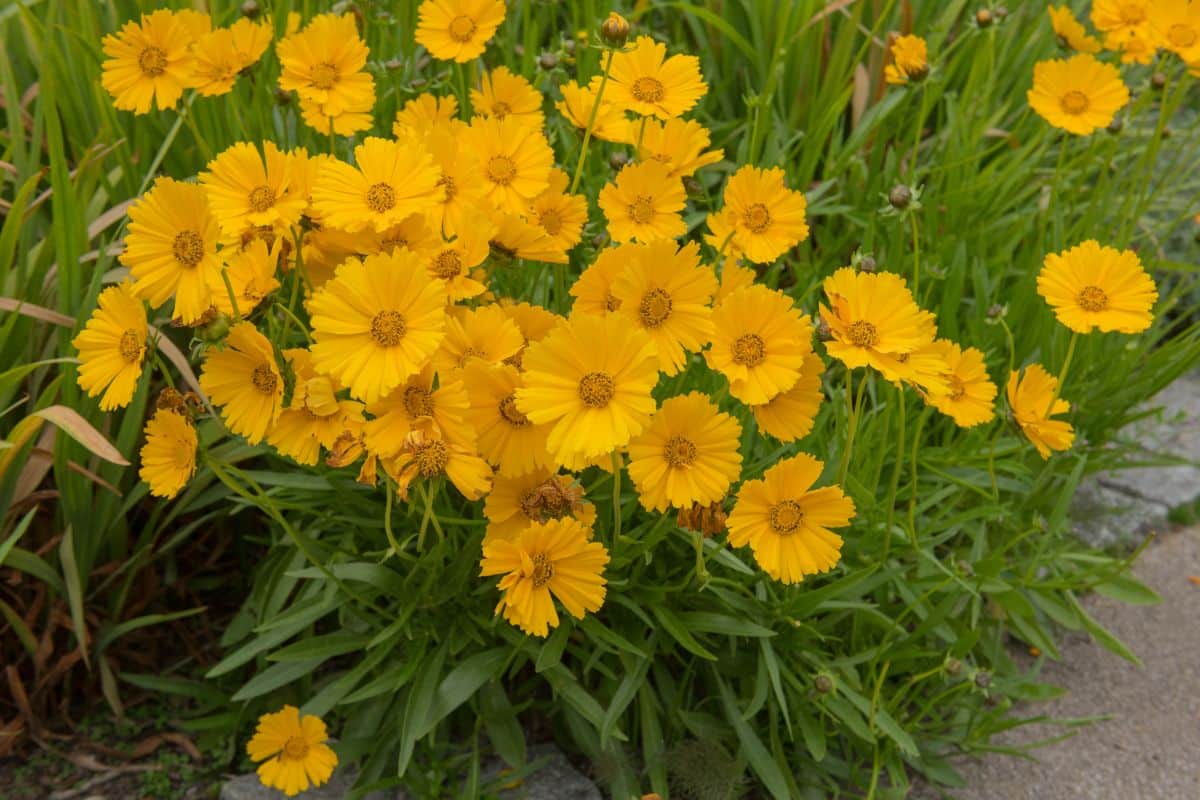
point(1150, 748)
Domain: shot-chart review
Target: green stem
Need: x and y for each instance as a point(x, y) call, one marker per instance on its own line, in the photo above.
point(616, 467)
point(1062, 373)
point(237, 317)
point(701, 568)
point(853, 410)
point(916, 244)
point(896, 470)
point(913, 479)
point(587, 133)
point(332, 138)
point(641, 135)
point(387, 514)
point(191, 123)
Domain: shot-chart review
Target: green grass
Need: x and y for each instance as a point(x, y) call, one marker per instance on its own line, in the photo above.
point(962, 538)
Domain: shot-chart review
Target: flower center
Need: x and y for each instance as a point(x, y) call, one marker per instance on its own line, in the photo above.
point(543, 570)
point(679, 451)
point(958, 389)
point(757, 218)
point(450, 187)
point(647, 90)
point(432, 458)
point(641, 210)
point(863, 334)
point(1182, 35)
point(296, 748)
point(786, 516)
point(501, 109)
point(1092, 298)
point(388, 328)
point(1074, 102)
point(551, 221)
point(381, 197)
point(469, 353)
point(462, 28)
point(501, 170)
point(447, 264)
point(131, 346)
point(418, 402)
point(511, 414)
point(261, 198)
point(1133, 13)
point(655, 308)
point(749, 350)
point(188, 248)
point(324, 75)
point(153, 61)
point(596, 389)
point(264, 379)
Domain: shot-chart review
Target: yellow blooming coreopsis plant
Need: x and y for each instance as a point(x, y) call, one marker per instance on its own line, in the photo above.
point(293, 751)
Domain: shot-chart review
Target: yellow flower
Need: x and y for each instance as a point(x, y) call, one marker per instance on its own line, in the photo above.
point(593, 289)
point(874, 322)
point(1134, 49)
point(1033, 401)
point(1175, 25)
point(424, 113)
point(786, 522)
point(244, 379)
point(485, 333)
point(462, 191)
point(534, 322)
point(251, 39)
point(561, 215)
point(643, 80)
point(346, 123)
point(246, 189)
point(518, 501)
point(678, 143)
point(591, 378)
point(789, 416)
point(112, 347)
point(644, 204)
point(458, 30)
point(428, 454)
point(148, 62)
point(513, 160)
point(688, 454)
point(1093, 287)
point(169, 455)
point(610, 124)
point(1070, 31)
point(760, 343)
point(733, 277)
point(293, 751)
point(1078, 95)
point(909, 60)
point(251, 272)
point(547, 560)
point(452, 261)
point(507, 438)
point(1122, 20)
point(413, 233)
point(324, 65)
point(315, 417)
point(396, 415)
point(971, 395)
point(223, 53)
point(171, 248)
point(665, 291)
point(391, 181)
point(517, 237)
point(768, 218)
point(505, 95)
point(377, 322)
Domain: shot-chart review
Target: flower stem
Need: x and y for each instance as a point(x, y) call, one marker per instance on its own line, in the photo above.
point(587, 133)
point(916, 244)
point(701, 569)
point(1062, 373)
point(616, 467)
point(896, 470)
point(237, 317)
point(853, 410)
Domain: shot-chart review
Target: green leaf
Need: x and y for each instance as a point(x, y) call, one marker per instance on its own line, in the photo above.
point(417, 707)
point(74, 583)
point(1101, 634)
point(110, 635)
point(275, 676)
point(461, 684)
point(679, 632)
point(501, 724)
point(1126, 589)
point(627, 689)
point(331, 644)
point(551, 651)
point(709, 622)
point(755, 751)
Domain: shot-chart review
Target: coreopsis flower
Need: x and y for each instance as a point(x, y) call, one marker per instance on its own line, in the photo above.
point(787, 523)
point(112, 347)
point(458, 30)
point(1093, 287)
point(293, 751)
point(1134, 49)
point(315, 417)
point(171, 248)
point(484, 333)
point(534, 322)
point(1122, 20)
point(244, 380)
point(251, 272)
point(666, 291)
point(251, 39)
point(643, 80)
point(462, 192)
point(324, 65)
point(1032, 398)
point(453, 261)
point(429, 453)
point(512, 159)
point(688, 454)
point(561, 215)
point(507, 438)
point(874, 322)
point(149, 61)
point(759, 344)
point(547, 560)
point(1070, 31)
point(414, 233)
point(1175, 26)
point(505, 95)
point(221, 54)
point(391, 181)
point(767, 218)
point(541, 495)
point(909, 58)
point(516, 237)
point(644, 203)
point(591, 379)
point(246, 189)
point(197, 23)
point(396, 414)
point(169, 455)
point(576, 106)
point(680, 144)
point(593, 289)
point(423, 113)
point(377, 322)
point(971, 396)
point(789, 416)
point(1079, 95)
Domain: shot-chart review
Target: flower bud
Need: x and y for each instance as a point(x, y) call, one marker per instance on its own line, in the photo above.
point(250, 9)
point(618, 160)
point(216, 330)
point(569, 47)
point(823, 331)
point(600, 240)
point(953, 667)
point(1116, 126)
point(692, 186)
point(823, 684)
point(614, 30)
point(983, 679)
point(1000, 11)
point(984, 18)
point(900, 197)
point(867, 265)
point(283, 98)
point(547, 61)
point(996, 311)
point(1158, 81)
